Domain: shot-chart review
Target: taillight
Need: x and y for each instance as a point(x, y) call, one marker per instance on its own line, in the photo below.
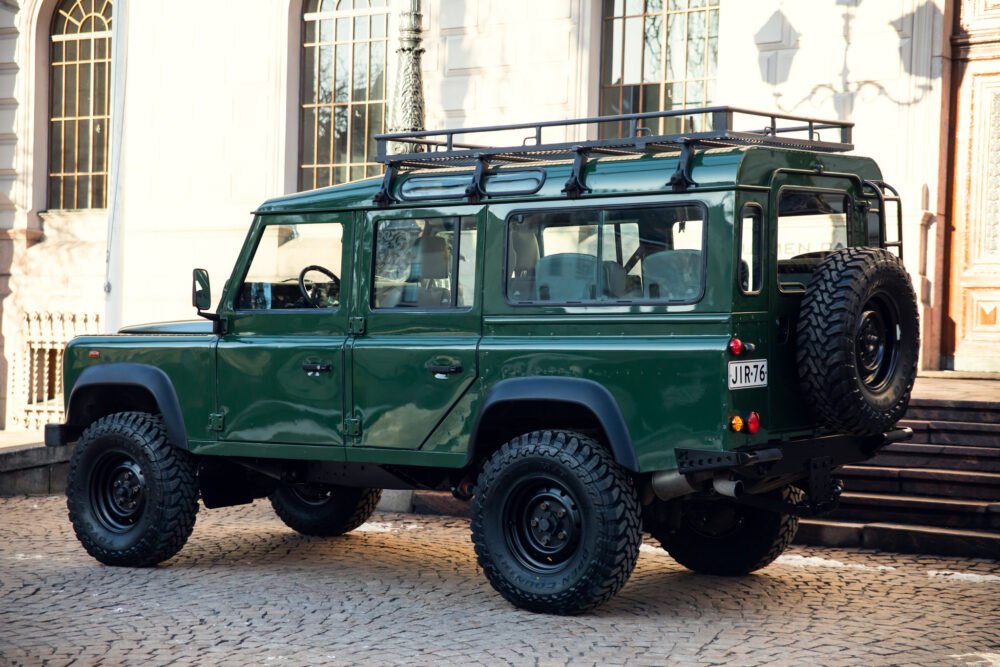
point(735, 347)
point(753, 422)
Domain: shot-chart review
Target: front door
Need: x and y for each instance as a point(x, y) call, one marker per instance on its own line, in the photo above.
point(971, 332)
point(419, 306)
point(281, 361)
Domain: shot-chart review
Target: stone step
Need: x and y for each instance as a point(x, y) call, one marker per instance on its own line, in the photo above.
point(946, 457)
point(921, 482)
point(33, 469)
point(937, 409)
point(919, 510)
point(900, 538)
point(972, 434)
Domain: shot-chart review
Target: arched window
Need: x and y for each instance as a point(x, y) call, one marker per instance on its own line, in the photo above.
point(79, 90)
point(343, 92)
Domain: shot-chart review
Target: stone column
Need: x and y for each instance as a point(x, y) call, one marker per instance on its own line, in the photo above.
point(408, 107)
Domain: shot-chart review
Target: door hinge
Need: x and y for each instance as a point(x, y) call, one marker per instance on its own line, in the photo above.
point(352, 427)
point(356, 326)
point(216, 421)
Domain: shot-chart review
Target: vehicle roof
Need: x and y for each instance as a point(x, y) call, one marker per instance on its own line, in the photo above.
point(711, 169)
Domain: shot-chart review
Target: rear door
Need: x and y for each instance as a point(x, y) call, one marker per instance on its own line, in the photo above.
point(814, 216)
point(417, 322)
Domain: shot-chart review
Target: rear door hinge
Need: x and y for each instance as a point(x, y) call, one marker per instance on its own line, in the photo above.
point(356, 326)
point(352, 427)
point(216, 421)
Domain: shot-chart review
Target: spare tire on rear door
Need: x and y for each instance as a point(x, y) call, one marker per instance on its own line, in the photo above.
point(857, 340)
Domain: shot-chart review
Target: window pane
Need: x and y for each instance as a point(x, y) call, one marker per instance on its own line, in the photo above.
point(324, 134)
point(284, 251)
point(633, 51)
point(340, 135)
point(413, 263)
point(358, 135)
point(751, 258)
point(341, 83)
point(309, 75)
point(651, 66)
point(810, 226)
point(376, 85)
point(613, 256)
point(360, 72)
point(308, 141)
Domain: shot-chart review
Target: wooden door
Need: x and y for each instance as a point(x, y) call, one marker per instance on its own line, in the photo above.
point(972, 334)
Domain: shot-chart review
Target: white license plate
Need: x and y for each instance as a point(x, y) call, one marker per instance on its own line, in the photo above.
point(746, 374)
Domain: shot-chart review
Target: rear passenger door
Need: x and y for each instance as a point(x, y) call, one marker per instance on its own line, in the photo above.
point(417, 323)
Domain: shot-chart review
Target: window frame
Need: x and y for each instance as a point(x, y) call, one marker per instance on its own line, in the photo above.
point(345, 253)
point(80, 116)
point(368, 163)
point(456, 257)
point(760, 249)
point(601, 209)
point(849, 209)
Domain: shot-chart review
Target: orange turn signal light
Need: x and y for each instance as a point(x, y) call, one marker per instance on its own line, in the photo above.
point(736, 423)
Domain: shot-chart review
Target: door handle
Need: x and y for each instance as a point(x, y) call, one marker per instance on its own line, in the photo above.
point(445, 369)
point(316, 369)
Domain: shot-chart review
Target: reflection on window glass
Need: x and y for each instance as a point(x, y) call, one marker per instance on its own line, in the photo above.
point(610, 256)
point(811, 225)
point(751, 259)
point(425, 263)
point(294, 266)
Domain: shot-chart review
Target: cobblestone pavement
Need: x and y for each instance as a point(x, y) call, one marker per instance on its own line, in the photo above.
point(406, 590)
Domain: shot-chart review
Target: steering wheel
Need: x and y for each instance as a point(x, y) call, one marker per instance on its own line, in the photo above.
point(310, 298)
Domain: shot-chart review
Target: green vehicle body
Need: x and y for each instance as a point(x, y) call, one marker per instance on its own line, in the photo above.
point(646, 379)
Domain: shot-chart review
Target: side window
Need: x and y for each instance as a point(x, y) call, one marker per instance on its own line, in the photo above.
point(294, 266)
point(811, 225)
point(425, 263)
point(606, 256)
point(751, 265)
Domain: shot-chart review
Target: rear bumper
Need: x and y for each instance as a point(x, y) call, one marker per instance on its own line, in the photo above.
point(788, 457)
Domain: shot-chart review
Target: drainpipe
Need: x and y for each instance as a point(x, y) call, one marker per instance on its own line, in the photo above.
point(113, 274)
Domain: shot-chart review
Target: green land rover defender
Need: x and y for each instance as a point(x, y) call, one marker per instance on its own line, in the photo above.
point(680, 323)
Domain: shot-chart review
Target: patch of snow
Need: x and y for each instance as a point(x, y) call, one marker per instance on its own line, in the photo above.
point(965, 576)
point(815, 561)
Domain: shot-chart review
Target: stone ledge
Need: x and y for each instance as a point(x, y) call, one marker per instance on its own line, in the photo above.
point(33, 470)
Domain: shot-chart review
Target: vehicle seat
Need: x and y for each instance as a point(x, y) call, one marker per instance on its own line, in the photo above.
point(614, 280)
point(434, 265)
point(566, 276)
point(523, 260)
point(672, 275)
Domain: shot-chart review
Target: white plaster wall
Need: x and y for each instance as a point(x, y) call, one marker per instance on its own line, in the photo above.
point(205, 142)
point(879, 64)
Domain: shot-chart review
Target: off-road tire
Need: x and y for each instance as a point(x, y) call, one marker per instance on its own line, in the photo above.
point(324, 511)
point(586, 505)
point(857, 341)
point(132, 496)
point(754, 540)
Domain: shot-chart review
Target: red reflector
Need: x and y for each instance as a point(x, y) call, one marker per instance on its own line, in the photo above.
point(753, 422)
point(736, 347)
point(94, 354)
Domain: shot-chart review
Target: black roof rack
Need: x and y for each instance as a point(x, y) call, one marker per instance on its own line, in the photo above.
point(708, 126)
point(637, 134)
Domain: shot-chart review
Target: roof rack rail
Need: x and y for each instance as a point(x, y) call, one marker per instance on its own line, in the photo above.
point(705, 126)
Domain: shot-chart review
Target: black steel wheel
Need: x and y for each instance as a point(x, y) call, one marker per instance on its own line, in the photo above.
point(132, 496)
point(721, 537)
point(858, 339)
point(555, 522)
point(323, 510)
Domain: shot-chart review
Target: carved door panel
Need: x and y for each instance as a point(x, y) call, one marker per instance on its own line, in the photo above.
point(974, 296)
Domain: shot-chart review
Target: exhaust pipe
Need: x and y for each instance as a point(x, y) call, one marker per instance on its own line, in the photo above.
point(670, 484)
point(731, 488)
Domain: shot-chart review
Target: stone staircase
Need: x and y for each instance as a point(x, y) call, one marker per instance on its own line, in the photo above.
point(938, 493)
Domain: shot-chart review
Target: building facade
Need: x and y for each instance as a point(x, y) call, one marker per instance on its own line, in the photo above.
point(137, 137)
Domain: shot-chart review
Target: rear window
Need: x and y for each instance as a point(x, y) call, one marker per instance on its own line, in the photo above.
point(811, 225)
point(606, 256)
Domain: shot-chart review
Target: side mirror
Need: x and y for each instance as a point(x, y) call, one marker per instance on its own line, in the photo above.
point(201, 290)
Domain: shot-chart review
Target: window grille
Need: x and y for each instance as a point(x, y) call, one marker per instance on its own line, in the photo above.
point(343, 90)
point(658, 55)
point(79, 109)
